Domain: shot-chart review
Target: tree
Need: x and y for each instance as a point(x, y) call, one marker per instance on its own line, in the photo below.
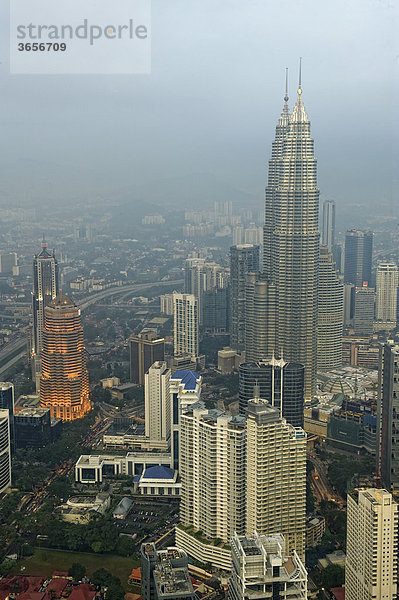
point(77, 571)
point(332, 576)
point(125, 546)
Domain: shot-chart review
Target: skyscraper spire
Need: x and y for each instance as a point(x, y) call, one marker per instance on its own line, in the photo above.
point(286, 85)
point(299, 113)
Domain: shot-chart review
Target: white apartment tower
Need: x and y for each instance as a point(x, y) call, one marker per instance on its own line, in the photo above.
point(386, 296)
point(212, 471)
point(5, 451)
point(262, 569)
point(186, 338)
point(372, 546)
point(275, 476)
point(157, 402)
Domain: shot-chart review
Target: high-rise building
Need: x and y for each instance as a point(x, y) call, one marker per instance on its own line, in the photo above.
point(212, 471)
point(292, 239)
point(164, 574)
point(7, 402)
point(185, 389)
point(371, 567)
point(275, 476)
point(145, 349)
point(8, 261)
point(363, 318)
point(274, 379)
point(328, 228)
point(64, 384)
point(389, 416)
point(262, 569)
point(387, 281)
point(215, 310)
point(202, 276)
point(186, 323)
point(358, 256)
point(260, 317)
point(157, 402)
point(330, 313)
point(5, 451)
point(243, 259)
point(45, 289)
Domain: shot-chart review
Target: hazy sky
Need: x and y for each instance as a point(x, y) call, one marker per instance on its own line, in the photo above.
point(208, 110)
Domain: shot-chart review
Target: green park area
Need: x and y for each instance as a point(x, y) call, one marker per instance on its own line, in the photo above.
point(45, 561)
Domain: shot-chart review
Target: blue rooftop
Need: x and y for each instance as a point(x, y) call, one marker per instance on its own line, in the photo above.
point(157, 472)
point(188, 378)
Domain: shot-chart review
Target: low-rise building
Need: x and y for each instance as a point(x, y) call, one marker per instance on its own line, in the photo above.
point(123, 508)
point(80, 509)
point(315, 528)
point(158, 481)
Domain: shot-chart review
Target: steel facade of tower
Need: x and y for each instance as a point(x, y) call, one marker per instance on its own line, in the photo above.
point(292, 239)
point(275, 379)
point(358, 255)
point(328, 231)
point(244, 259)
point(64, 384)
point(330, 313)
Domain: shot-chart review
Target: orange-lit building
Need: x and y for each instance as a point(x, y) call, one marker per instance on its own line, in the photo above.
point(64, 384)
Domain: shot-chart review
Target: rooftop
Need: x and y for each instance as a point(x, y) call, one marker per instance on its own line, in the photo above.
point(188, 378)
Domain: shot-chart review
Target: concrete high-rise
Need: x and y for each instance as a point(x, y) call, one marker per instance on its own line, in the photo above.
point(389, 416)
point(45, 289)
point(328, 225)
point(202, 276)
point(386, 296)
point(7, 403)
point(243, 259)
point(186, 325)
point(64, 384)
point(330, 313)
point(274, 379)
point(164, 574)
point(262, 569)
point(292, 239)
point(275, 476)
point(5, 451)
point(157, 402)
point(145, 349)
point(358, 256)
point(363, 318)
point(185, 389)
point(371, 568)
point(260, 317)
point(212, 471)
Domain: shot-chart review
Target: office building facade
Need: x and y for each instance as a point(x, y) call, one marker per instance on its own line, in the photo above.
point(371, 568)
point(5, 451)
point(244, 259)
point(328, 225)
point(45, 289)
point(276, 380)
point(363, 317)
point(389, 416)
point(358, 257)
point(7, 403)
point(64, 383)
point(145, 349)
point(330, 313)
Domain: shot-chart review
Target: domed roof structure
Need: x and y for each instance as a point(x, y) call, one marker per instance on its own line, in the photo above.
point(339, 385)
point(62, 300)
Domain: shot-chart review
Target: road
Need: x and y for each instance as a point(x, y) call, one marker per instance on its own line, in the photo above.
point(320, 483)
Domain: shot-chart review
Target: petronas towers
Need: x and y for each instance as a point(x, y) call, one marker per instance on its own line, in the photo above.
point(291, 250)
